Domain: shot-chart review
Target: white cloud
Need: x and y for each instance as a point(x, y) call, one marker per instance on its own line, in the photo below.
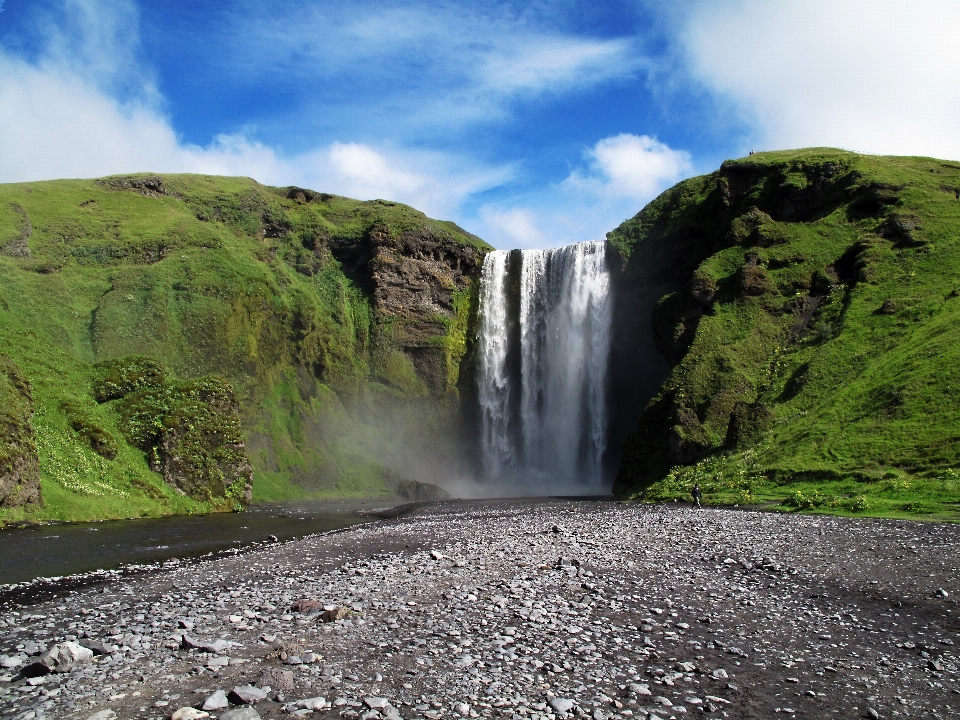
point(513, 228)
point(630, 166)
point(435, 183)
point(621, 174)
point(535, 64)
point(56, 124)
point(874, 76)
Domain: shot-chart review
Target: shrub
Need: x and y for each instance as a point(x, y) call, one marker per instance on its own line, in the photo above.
point(119, 377)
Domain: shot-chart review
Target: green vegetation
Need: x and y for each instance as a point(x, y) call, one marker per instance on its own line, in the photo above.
point(813, 324)
point(194, 278)
point(19, 479)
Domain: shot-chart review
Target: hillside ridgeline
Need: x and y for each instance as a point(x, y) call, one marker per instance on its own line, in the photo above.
point(811, 318)
point(167, 342)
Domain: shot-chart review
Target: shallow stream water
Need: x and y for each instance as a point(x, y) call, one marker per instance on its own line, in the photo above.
point(68, 549)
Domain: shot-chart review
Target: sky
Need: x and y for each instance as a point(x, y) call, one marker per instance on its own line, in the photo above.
point(530, 124)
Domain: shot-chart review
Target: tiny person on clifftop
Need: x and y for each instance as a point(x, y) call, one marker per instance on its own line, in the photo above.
point(697, 494)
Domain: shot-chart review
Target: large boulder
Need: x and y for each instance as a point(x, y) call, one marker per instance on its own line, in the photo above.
point(61, 658)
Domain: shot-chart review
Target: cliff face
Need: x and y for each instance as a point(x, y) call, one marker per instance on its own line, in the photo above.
point(338, 326)
point(422, 283)
point(807, 309)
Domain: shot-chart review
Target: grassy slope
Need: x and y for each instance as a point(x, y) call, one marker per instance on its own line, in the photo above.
point(851, 409)
point(209, 275)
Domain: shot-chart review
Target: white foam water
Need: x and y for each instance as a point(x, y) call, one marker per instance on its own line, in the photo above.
point(544, 346)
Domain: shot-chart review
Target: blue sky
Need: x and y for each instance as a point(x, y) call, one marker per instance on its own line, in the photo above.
point(531, 124)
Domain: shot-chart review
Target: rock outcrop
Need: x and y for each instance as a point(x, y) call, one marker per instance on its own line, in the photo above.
point(19, 467)
point(421, 282)
point(190, 431)
point(803, 303)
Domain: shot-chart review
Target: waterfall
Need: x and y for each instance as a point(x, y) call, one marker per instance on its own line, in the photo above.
point(544, 344)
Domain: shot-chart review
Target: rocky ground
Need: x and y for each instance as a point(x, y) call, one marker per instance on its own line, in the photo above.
point(519, 610)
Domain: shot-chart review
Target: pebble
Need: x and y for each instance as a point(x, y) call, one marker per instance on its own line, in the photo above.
point(642, 617)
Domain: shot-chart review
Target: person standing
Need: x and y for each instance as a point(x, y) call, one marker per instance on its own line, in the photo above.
point(697, 494)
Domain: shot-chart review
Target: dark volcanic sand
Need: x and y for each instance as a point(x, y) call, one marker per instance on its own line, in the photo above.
point(626, 611)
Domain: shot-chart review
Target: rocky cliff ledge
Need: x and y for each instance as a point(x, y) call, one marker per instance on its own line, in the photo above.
point(422, 282)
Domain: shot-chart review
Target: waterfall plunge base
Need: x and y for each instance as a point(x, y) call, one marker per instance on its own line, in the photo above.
point(544, 343)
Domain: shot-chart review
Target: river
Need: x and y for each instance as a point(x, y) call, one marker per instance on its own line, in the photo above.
point(68, 549)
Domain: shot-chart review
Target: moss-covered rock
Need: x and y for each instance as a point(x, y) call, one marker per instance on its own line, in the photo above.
point(119, 377)
point(808, 309)
point(190, 431)
point(99, 439)
point(19, 468)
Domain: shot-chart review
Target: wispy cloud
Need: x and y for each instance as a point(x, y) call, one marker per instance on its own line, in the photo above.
point(61, 115)
point(416, 65)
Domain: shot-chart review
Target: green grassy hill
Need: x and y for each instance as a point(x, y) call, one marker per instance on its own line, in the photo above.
point(813, 328)
point(286, 294)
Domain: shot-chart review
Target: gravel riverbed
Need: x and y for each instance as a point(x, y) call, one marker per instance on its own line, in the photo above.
point(525, 610)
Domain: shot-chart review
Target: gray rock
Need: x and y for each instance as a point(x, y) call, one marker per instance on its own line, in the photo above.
point(242, 713)
point(31, 647)
point(277, 678)
point(218, 646)
point(189, 713)
point(216, 701)
point(562, 705)
point(314, 703)
point(375, 703)
point(103, 715)
point(97, 647)
point(61, 658)
point(248, 694)
point(12, 661)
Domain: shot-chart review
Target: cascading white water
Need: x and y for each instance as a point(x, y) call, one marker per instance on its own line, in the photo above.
point(544, 345)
